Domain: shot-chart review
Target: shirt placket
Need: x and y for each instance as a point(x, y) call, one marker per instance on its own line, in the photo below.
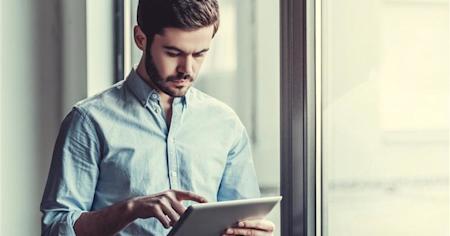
point(172, 147)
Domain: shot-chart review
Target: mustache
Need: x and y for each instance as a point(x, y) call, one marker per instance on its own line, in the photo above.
point(180, 77)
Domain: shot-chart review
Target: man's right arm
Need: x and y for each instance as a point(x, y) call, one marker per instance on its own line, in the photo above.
point(73, 175)
point(70, 189)
point(166, 207)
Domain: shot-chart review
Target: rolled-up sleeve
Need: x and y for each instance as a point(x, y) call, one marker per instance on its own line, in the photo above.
point(239, 180)
point(73, 175)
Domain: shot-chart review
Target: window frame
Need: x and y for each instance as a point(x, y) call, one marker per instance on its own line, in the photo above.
point(298, 118)
point(119, 40)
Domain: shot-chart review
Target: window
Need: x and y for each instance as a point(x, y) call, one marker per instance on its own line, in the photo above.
point(365, 117)
point(385, 117)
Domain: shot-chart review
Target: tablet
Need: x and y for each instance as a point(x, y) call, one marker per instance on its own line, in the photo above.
point(206, 219)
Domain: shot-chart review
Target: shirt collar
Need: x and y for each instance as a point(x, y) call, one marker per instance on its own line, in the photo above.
point(145, 93)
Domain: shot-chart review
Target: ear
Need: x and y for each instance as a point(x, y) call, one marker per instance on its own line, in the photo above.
point(139, 38)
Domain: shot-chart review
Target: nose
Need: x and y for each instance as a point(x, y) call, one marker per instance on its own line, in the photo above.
point(186, 65)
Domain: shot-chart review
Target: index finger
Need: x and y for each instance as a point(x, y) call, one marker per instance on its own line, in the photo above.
point(183, 195)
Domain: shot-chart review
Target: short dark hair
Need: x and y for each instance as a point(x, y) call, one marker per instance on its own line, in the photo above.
point(155, 15)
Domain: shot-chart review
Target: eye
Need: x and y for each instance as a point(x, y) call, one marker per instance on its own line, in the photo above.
point(200, 54)
point(172, 54)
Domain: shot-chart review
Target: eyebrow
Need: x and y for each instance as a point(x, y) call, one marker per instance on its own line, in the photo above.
point(183, 52)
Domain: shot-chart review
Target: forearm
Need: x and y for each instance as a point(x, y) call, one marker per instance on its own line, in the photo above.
point(107, 221)
point(166, 207)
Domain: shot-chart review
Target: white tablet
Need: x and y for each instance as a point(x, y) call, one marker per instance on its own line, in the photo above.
point(208, 219)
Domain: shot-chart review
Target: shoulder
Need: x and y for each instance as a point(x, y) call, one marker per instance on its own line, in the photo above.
point(111, 97)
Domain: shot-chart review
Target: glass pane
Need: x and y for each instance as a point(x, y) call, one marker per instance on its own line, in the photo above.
point(385, 92)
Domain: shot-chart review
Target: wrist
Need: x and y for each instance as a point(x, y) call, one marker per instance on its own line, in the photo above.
point(130, 209)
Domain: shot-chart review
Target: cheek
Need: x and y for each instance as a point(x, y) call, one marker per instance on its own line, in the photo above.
point(166, 66)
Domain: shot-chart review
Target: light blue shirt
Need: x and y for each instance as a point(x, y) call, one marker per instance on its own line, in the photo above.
point(117, 145)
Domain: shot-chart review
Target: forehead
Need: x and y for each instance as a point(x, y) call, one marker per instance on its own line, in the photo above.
point(187, 40)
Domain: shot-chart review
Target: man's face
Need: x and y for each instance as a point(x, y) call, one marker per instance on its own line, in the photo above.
point(174, 58)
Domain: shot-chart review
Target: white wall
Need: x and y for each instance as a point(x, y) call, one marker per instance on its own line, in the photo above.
point(1, 109)
point(44, 72)
point(30, 101)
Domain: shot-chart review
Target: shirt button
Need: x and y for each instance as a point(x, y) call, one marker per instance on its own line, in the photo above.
point(154, 96)
point(173, 173)
point(156, 109)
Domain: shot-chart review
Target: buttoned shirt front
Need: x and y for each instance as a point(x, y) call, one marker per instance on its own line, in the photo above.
point(117, 145)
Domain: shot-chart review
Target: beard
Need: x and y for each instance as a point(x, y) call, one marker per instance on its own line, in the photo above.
point(174, 85)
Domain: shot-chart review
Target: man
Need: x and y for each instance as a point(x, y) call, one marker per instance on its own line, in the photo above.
point(129, 160)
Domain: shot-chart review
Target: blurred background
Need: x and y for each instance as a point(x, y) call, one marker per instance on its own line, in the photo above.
point(383, 79)
point(385, 117)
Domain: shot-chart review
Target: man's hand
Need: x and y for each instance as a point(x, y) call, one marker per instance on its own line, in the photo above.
point(165, 206)
point(252, 227)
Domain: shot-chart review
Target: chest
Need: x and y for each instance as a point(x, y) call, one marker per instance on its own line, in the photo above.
point(143, 155)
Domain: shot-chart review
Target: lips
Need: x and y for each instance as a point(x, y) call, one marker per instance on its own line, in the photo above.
point(180, 81)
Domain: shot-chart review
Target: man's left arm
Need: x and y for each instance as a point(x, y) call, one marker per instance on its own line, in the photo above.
point(239, 181)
